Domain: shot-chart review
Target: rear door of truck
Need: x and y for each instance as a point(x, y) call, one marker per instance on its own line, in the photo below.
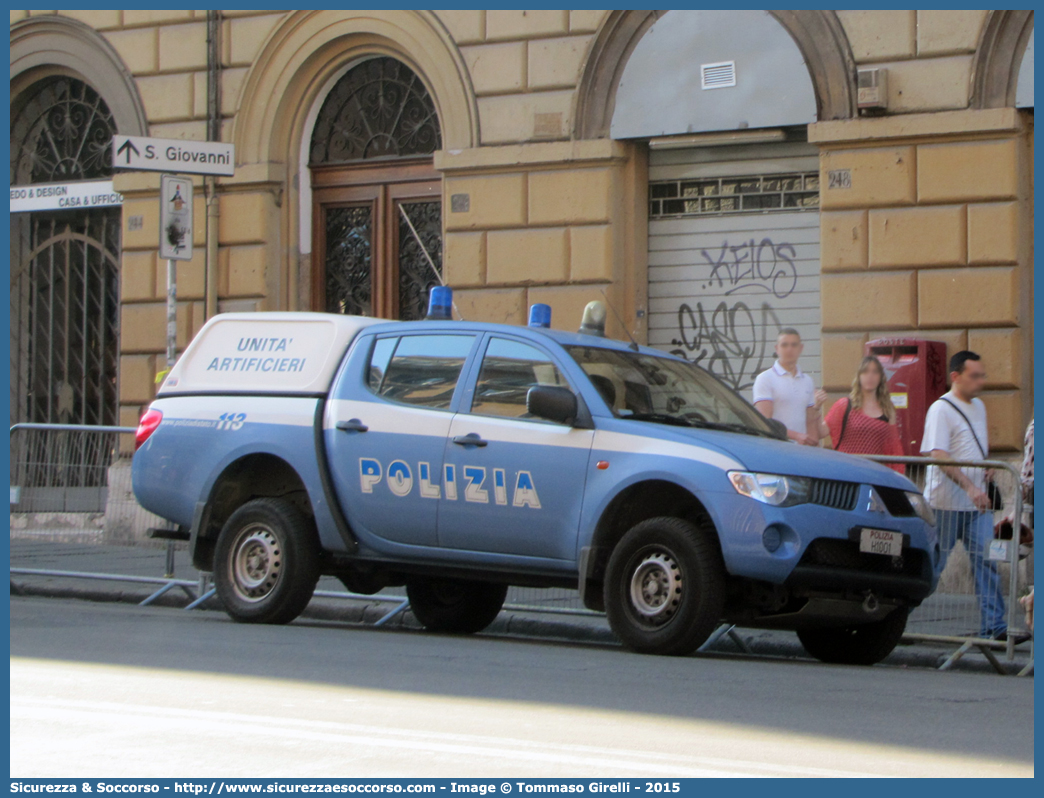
point(386, 426)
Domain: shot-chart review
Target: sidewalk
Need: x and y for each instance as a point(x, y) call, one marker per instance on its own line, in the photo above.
point(53, 551)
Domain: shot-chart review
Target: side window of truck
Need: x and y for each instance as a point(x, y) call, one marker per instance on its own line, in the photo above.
point(509, 370)
point(418, 369)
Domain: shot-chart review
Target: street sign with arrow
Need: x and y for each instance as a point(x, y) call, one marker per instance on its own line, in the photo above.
point(173, 155)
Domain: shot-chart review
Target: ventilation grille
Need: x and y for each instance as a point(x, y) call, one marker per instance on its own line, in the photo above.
point(718, 76)
point(832, 493)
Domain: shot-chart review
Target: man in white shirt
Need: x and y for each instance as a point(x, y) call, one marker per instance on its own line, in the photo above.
point(955, 429)
point(785, 393)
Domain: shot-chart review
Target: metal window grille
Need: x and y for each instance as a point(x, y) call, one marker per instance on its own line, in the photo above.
point(416, 274)
point(65, 264)
point(61, 130)
point(378, 109)
point(349, 287)
point(64, 278)
point(729, 195)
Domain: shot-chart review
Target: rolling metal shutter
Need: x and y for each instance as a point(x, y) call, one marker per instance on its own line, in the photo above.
point(734, 256)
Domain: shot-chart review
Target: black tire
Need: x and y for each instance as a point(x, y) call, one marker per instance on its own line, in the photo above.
point(266, 562)
point(858, 644)
point(665, 587)
point(455, 605)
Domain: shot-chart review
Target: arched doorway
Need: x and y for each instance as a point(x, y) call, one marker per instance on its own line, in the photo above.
point(64, 264)
point(376, 198)
point(722, 99)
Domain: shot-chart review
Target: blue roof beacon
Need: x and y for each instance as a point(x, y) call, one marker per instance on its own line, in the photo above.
point(539, 315)
point(440, 303)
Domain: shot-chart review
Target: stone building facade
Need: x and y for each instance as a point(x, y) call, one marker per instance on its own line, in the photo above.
point(563, 156)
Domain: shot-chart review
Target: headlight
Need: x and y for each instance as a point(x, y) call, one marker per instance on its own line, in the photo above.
point(774, 489)
point(920, 506)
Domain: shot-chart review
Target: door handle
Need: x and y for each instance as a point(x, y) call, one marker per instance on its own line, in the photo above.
point(352, 425)
point(471, 439)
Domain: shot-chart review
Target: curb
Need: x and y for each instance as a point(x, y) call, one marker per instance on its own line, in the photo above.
point(516, 625)
point(356, 611)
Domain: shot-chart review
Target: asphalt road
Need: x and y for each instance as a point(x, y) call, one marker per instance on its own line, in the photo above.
point(113, 690)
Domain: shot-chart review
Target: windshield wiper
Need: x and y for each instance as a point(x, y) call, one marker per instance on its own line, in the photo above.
point(681, 421)
point(661, 418)
point(731, 427)
point(741, 428)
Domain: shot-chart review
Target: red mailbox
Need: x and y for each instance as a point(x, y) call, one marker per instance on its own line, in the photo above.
point(916, 373)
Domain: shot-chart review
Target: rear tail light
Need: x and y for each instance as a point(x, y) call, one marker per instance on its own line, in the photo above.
point(146, 427)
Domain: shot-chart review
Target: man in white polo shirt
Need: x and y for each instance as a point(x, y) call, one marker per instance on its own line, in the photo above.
point(955, 429)
point(785, 393)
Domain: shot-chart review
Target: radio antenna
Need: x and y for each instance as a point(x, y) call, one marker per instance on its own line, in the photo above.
point(634, 343)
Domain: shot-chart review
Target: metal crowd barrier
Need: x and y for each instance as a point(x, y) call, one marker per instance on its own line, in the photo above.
point(69, 468)
point(62, 467)
point(981, 577)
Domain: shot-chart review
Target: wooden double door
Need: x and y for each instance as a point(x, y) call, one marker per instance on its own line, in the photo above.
point(377, 238)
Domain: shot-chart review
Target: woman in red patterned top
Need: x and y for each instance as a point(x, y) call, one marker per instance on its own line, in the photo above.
point(864, 421)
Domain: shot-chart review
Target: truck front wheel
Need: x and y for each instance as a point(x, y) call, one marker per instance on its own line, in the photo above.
point(665, 587)
point(858, 644)
point(266, 562)
point(455, 605)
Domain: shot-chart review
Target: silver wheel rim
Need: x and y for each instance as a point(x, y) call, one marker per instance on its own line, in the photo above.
point(257, 561)
point(656, 587)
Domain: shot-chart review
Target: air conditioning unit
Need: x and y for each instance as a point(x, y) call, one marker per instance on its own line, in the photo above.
point(872, 88)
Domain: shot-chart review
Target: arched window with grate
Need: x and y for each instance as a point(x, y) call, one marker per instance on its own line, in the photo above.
point(64, 302)
point(65, 263)
point(377, 207)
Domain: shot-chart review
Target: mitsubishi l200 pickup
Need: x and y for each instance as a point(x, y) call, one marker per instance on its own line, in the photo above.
point(459, 458)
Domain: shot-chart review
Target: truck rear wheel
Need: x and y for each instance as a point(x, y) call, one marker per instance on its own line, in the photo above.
point(455, 605)
point(665, 587)
point(266, 562)
point(858, 644)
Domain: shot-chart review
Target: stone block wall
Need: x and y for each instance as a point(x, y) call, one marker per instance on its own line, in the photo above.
point(932, 239)
point(524, 67)
point(928, 54)
point(544, 223)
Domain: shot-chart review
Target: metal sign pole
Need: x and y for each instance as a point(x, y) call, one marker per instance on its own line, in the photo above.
point(172, 311)
point(175, 245)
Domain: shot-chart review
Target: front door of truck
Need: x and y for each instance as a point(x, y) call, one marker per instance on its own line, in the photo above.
point(513, 484)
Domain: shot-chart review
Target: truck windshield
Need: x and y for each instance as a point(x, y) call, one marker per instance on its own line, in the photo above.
point(658, 389)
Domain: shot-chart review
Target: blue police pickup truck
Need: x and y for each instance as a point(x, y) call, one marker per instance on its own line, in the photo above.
point(459, 458)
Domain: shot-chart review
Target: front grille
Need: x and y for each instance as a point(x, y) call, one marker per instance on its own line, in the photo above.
point(831, 493)
point(896, 501)
point(834, 553)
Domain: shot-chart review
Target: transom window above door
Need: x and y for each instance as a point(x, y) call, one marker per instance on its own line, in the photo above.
point(379, 109)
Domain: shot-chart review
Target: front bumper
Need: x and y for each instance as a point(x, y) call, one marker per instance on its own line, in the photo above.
point(818, 548)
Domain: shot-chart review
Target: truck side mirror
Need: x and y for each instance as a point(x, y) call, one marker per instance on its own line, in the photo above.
point(553, 403)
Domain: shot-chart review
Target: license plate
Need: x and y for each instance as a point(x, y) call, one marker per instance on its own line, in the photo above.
point(880, 541)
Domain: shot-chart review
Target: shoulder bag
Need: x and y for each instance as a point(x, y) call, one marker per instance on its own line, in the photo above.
point(996, 499)
point(844, 422)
